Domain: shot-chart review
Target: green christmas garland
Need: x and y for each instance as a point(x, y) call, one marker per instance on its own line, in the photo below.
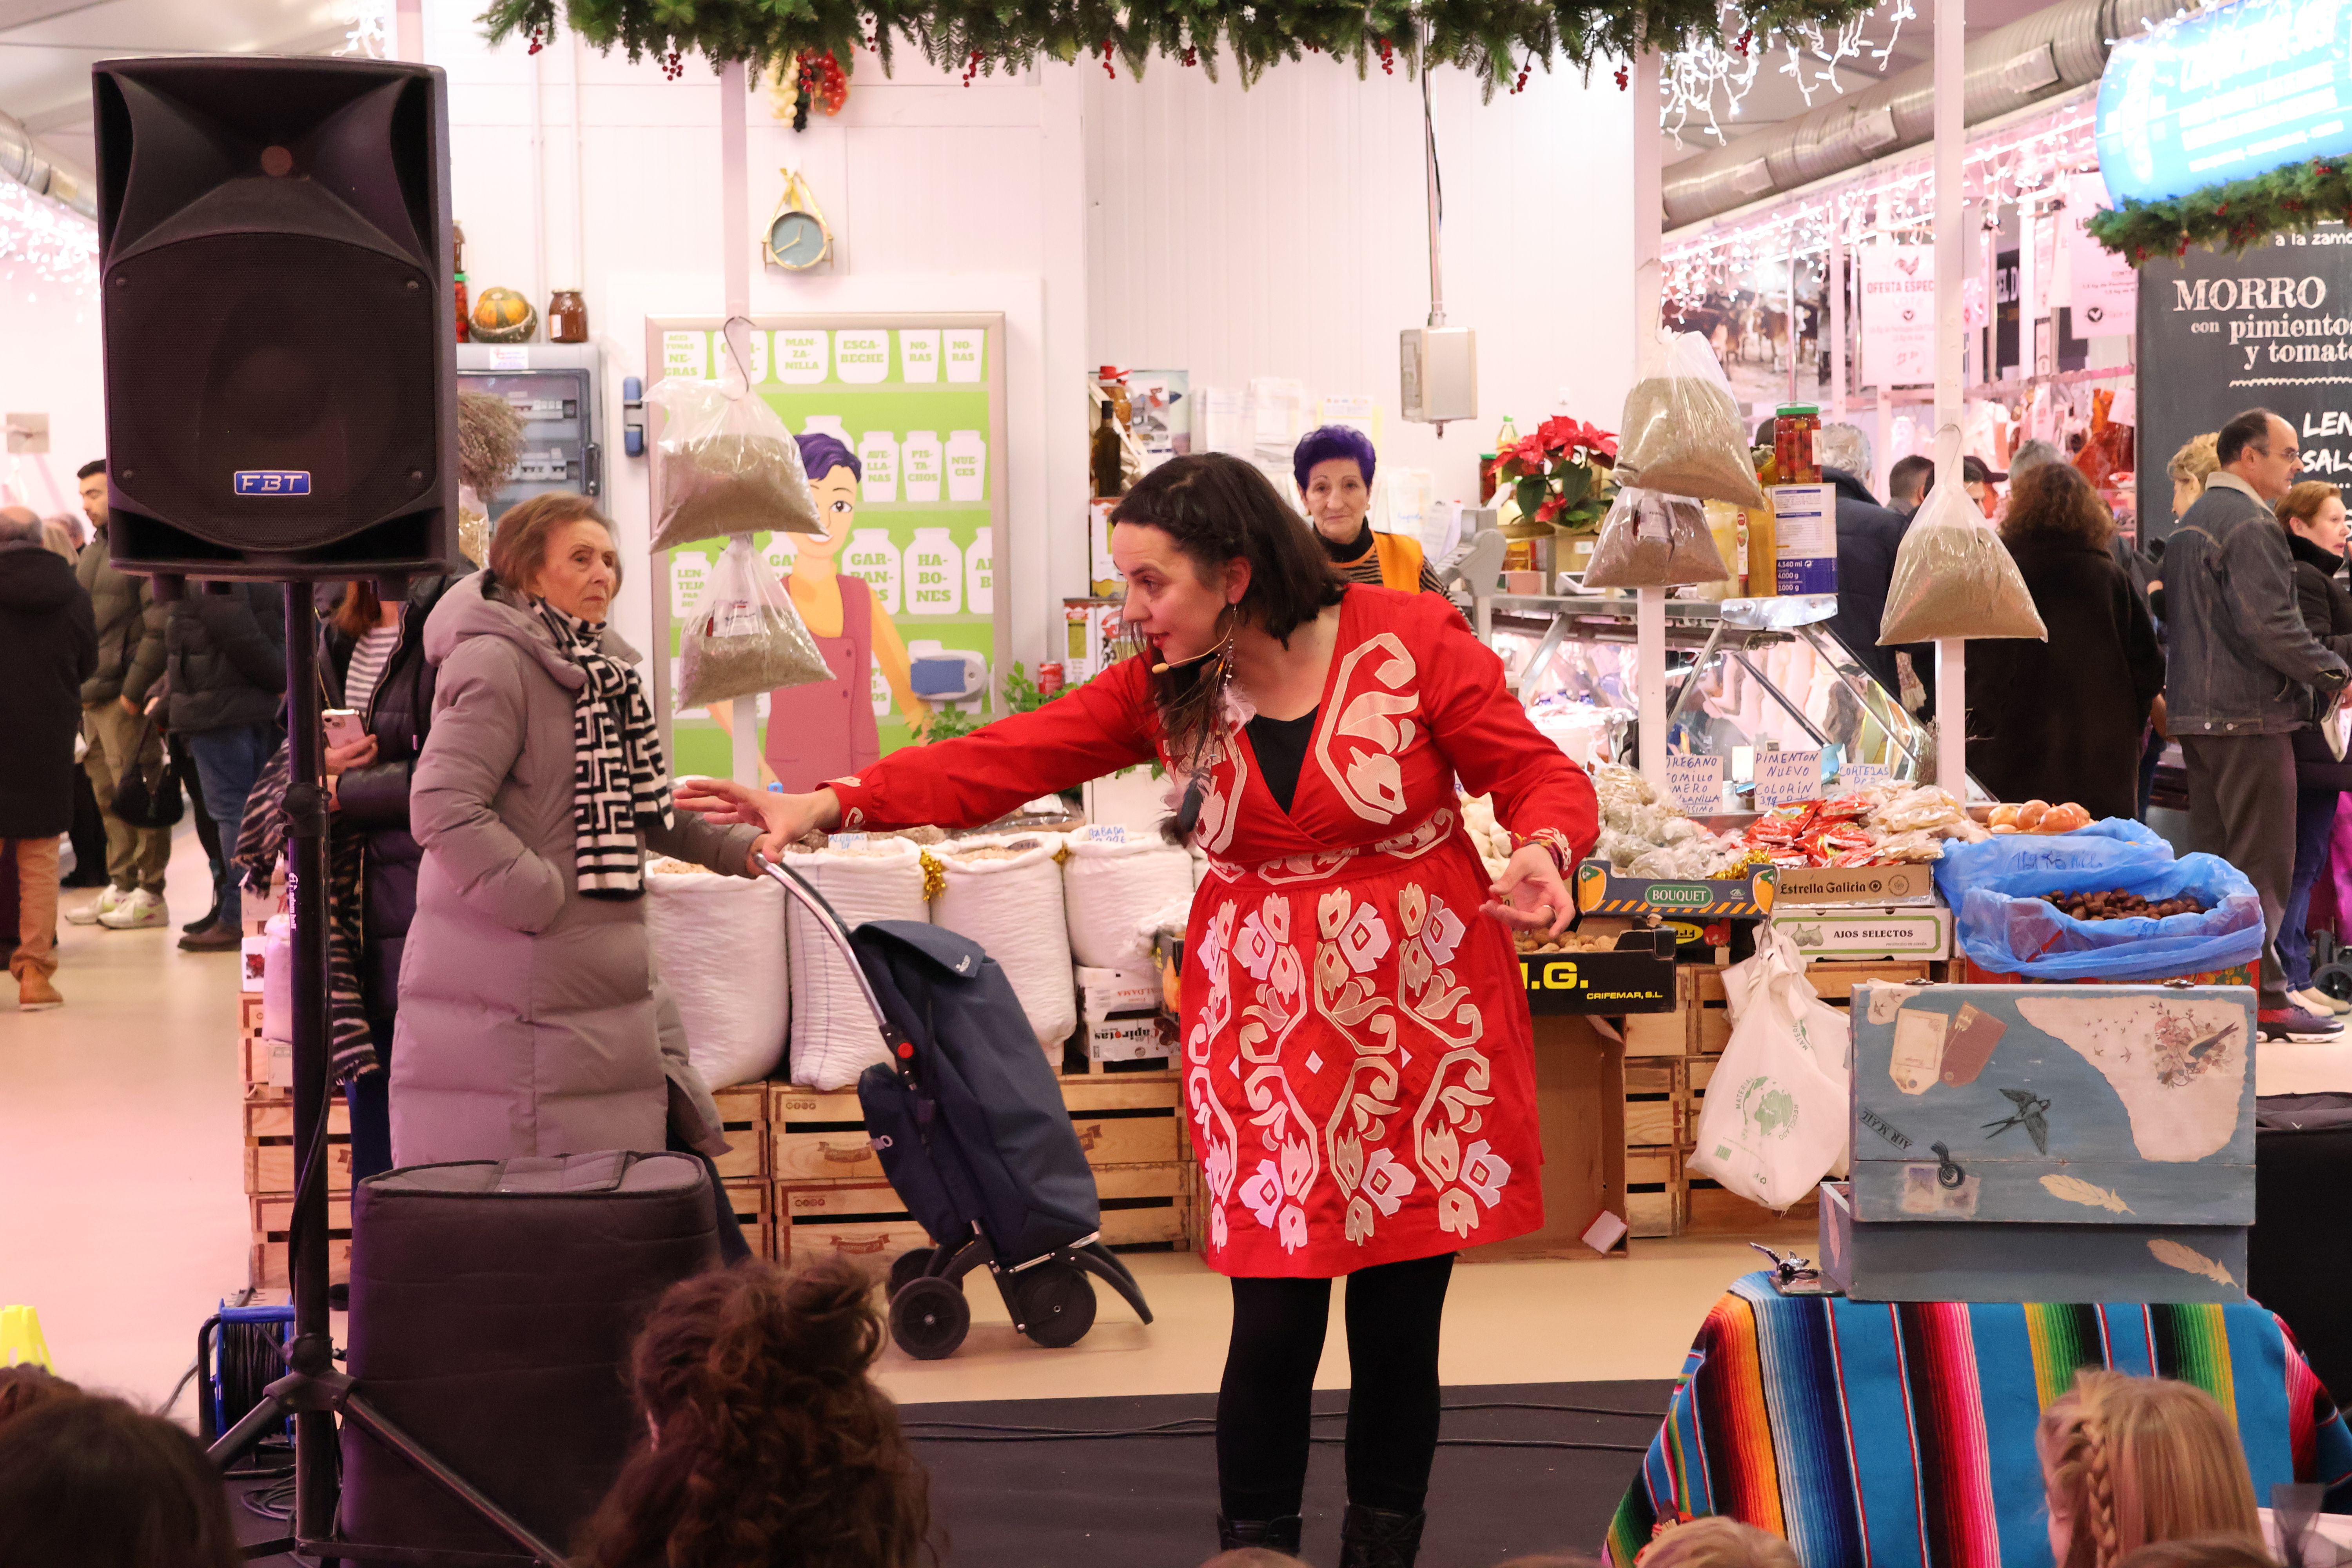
point(1499, 40)
point(2230, 216)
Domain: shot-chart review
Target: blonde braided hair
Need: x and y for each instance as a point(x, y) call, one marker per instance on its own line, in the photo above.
point(2127, 1461)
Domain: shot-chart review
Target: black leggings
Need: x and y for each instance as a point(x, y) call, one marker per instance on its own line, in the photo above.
point(1393, 1311)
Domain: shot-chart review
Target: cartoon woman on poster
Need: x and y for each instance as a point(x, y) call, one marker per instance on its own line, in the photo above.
point(826, 730)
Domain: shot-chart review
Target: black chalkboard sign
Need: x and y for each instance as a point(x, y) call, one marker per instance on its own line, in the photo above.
point(2218, 334)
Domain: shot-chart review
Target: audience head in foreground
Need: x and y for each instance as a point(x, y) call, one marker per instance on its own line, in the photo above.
point(26, 1387)
point(766, 1440)
point(1717, 1543)
point(94, 1483)
point(2130, 1462)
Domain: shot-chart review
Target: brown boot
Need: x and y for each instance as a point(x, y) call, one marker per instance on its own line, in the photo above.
point(34, 994)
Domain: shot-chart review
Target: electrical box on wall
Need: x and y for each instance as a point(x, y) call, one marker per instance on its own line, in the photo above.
point(1440, 371)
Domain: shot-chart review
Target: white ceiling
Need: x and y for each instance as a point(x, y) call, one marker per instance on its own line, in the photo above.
point(47, 47)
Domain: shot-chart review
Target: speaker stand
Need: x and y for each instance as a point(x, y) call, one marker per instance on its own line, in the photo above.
point(312, 1391)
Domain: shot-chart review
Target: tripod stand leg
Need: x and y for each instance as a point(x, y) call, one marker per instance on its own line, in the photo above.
point(257, 1423)
point(369, 1420)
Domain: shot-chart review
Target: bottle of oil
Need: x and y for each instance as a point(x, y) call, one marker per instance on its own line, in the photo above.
point(1108, 453)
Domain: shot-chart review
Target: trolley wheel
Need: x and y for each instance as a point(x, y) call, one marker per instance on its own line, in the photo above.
point(930, 1318)
point(908, 1266)
point(1058, 1304)
point(2335, 981)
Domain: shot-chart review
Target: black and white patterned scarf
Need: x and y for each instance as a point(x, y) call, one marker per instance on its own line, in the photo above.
point(619, 775)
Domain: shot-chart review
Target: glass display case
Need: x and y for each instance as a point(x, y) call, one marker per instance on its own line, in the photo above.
point(1736, 684)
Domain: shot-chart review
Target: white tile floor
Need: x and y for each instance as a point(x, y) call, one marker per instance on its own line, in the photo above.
point(122, 1218)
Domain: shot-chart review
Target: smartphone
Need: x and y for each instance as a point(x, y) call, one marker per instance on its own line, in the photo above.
point(344, 726)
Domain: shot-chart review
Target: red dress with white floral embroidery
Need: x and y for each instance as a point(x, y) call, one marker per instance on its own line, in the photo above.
point(1358, 1066)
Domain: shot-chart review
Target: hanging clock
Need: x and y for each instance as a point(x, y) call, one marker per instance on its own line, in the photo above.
point(797, 239)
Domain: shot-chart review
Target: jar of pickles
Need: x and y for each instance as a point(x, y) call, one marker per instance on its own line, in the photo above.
point(1795, 429)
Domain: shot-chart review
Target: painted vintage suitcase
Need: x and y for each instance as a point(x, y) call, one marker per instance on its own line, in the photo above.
point(2048, 1143)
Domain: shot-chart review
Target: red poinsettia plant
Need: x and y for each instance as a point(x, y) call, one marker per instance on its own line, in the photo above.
point(1560, 475)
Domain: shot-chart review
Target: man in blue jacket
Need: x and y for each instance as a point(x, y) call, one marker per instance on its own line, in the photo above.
point(2243, 675)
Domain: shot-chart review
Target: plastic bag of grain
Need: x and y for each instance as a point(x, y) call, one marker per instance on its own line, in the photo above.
point(1681, 431)
point(720, 942)
point(834, 1035)
point(1004, 891)
point(1113, 880)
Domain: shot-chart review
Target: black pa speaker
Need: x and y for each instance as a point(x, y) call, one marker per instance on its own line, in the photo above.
point(278, 316)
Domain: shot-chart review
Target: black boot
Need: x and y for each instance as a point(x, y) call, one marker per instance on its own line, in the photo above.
point(1375, 1538)
point(1274, 1534)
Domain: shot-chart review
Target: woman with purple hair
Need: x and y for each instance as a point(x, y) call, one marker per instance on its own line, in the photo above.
point(827, 728)
point(1333, 465)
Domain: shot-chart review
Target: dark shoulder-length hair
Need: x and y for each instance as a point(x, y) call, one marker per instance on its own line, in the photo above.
point(774, 1443)
point(1218, 509)
point(2055, 504)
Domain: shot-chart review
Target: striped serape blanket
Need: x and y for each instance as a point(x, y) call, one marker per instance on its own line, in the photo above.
point(1901, 1435)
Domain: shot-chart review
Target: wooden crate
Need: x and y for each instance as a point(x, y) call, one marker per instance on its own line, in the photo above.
point(743, 1111)
point(1076, 1064)
point(1667, 1034)
point(1143, 1206)
point(270, 1162)
point(268, 1266)
point(1581, 1114)
point(1711, 1026)
point(1130, 1120)
point(1709, 1209)
point(266, 1064)
point(754, 1204)
point(1655, 1100)
point(818, 1135)
point(270, 1116)
point(864, 1221)
point(1654, 1191)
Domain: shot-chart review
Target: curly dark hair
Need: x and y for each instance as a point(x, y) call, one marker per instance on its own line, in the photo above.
point(2055, 504)
point(774, 1446)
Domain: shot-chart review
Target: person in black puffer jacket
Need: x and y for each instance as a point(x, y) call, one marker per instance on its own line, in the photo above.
point(2313, 514)
point(372, 660)
point(225, 663)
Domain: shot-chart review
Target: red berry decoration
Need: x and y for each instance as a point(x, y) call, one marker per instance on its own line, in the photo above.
point(1388, 59)
point(1622, 78)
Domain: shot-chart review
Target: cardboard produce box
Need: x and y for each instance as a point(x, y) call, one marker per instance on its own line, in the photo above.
point(1861, 932)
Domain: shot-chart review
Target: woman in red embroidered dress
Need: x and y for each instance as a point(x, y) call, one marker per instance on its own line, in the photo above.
point(1359, 1073)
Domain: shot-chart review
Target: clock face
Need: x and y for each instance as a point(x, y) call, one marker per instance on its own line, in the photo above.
point(797, 239)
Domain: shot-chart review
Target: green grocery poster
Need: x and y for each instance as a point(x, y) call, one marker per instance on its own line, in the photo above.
point(900, 421)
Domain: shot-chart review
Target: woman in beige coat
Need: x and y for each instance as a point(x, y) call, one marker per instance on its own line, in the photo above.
point(532, 1021)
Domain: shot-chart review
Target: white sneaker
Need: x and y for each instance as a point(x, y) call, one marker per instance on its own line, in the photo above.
point(105, 904)
point(140, 908)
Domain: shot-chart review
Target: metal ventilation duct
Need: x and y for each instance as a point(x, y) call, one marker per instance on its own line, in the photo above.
point(2039, 56)
point(26, 162)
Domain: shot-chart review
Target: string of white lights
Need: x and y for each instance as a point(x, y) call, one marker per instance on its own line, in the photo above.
point(1705, 85)
point(47, 239)
point(1997, 173)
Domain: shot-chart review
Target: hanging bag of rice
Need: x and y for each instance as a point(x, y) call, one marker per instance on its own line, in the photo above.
point(1953, 576)
point(1654, 540)
point(720, 942)
point(834, 1033)
point(1113, 880)
point(725, 463)
point(746, 636)
point(1004, 891)
point(1681, 434)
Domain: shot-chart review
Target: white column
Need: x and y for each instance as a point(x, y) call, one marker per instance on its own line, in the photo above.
point(408, 30)
point(1835, 346)
point(735, 241)
point(1649, 281)
point(1951, 130)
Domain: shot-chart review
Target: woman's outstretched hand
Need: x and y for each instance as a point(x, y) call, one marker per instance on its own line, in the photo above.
point(1529, 894)
point(785, 819)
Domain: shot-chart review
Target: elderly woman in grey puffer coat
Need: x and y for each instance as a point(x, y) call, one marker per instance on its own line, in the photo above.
point(531, 1020)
